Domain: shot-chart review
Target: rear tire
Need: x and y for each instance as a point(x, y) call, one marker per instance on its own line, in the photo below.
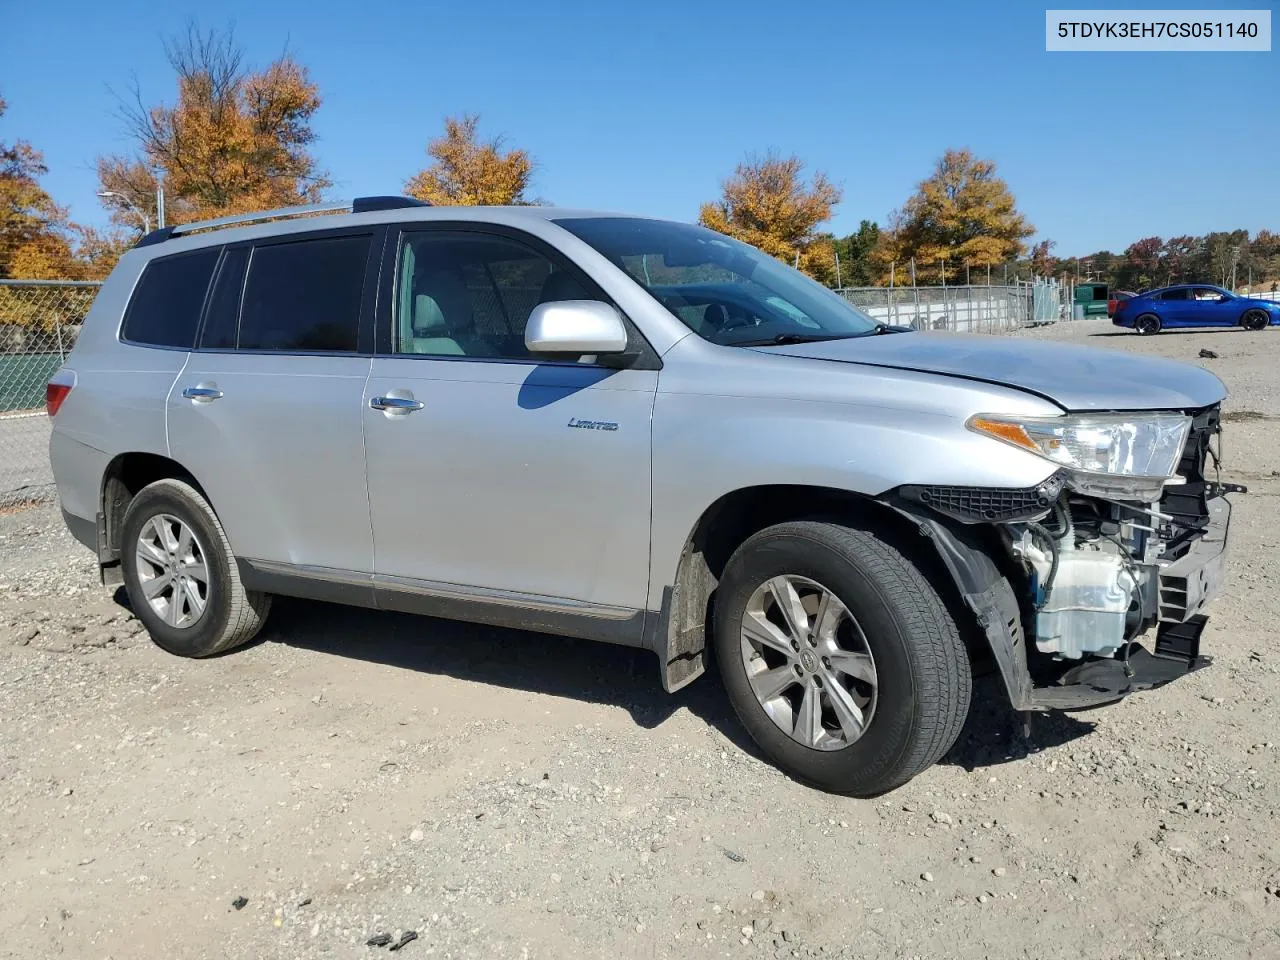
point(1255, 320)
point(182, 580)
point(1147, 325)
point(900, 660)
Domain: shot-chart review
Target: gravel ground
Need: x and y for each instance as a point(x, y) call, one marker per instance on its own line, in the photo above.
point(24, 472)
point(503, 794)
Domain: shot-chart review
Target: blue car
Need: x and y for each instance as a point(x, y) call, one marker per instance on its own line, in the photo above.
point(1192, 305)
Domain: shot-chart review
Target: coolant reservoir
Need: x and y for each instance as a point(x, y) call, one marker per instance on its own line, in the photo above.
point(1085, 613)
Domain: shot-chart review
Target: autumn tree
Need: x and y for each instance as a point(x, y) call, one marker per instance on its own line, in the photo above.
point(468, 171)
point(1042, 259)
point(961, 215)
point(36, 235)
point(235, 140)
point(768, 204)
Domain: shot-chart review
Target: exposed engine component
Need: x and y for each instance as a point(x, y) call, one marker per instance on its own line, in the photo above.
point(1087, 586)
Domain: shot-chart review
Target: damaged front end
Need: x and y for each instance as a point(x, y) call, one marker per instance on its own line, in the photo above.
point(1065, 578)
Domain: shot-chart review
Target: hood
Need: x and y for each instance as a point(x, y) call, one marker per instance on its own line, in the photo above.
point(1075, 378)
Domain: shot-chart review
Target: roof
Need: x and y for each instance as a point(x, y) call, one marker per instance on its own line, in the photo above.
point(362, 211)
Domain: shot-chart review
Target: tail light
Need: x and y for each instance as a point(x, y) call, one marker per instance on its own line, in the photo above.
point(54, 394)
point(1112, 307)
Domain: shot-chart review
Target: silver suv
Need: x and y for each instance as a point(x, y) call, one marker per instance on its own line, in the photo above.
point(645, 433)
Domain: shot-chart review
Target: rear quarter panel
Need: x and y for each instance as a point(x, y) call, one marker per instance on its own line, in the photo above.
point(118, 403)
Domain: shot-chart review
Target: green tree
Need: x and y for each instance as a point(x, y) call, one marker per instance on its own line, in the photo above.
point(961, 215)
point(854, 251)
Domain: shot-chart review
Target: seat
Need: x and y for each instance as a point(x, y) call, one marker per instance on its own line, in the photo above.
point(442, 321)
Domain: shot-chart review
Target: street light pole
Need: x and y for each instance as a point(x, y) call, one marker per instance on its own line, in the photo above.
point(113, 195)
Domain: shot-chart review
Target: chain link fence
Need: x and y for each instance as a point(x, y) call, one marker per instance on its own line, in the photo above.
point(39, 320)
point(965, 309)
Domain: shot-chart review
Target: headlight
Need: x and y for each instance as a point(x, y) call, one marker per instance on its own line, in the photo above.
point(1145, 447)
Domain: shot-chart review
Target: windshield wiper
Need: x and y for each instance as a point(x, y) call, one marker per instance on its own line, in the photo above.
point(881, 328)
point(783, 339)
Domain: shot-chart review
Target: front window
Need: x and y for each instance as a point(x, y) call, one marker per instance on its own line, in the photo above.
point(724, 290)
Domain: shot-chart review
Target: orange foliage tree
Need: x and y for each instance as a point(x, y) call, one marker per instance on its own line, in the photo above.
point(235, 141)
point(768, 204)
point(36, 236)
point(468, 171)
point(961, 215)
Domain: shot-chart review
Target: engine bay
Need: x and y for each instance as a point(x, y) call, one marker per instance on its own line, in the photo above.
point(1098, 569)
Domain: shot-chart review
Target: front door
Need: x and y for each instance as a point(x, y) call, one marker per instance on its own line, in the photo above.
point(1213, 307)
point(267, 412)
point(493, 474)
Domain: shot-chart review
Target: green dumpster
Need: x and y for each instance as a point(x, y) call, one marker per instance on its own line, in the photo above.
point(1090, 300)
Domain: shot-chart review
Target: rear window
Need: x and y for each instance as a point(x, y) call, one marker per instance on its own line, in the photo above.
point(222, 318)
point(304, 296)
point(1174, 295)
point(165, 308)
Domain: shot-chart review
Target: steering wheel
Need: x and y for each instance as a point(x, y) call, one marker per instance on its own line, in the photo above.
point(724, 318)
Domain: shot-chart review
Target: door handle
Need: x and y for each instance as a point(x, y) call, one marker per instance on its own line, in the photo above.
point(395, 404)
point(202, 394)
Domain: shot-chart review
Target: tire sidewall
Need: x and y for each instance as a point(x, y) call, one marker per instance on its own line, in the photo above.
point(876, 754)
point(204, 636)
point(1152, 330)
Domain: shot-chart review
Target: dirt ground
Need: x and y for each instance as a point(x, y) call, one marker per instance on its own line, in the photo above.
point(513, 795)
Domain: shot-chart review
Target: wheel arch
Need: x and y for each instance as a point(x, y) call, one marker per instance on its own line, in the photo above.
point(124, 477)
point(678, 633)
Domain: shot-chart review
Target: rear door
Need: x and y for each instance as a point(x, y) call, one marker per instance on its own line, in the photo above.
point(267, 412)
point(1176, 309)
point(494, 473)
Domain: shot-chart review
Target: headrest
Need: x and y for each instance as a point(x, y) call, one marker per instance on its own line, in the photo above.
point(561, 285)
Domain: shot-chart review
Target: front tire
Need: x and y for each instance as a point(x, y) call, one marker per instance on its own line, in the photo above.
point(182, 580)
point(839, 658)
point(1147, 325)
point(1255, 320)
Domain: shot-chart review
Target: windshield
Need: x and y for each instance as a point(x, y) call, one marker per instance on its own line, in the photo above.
point(723, 290)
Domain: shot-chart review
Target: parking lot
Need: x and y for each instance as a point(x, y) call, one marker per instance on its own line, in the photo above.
point(504, 794)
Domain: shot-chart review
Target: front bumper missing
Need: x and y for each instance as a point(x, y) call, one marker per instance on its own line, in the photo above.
point(1195, 578)
point(1186, 585)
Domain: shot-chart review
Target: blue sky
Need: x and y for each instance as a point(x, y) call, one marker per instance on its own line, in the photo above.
point(645, 107)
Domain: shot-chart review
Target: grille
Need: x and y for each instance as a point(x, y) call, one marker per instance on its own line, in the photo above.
point(987, 504)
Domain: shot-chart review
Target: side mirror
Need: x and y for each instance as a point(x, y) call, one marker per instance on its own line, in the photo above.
point(575, 327)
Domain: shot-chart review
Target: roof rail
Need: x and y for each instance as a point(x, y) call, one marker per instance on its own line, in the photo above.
point(372, 204)
point(358, 205)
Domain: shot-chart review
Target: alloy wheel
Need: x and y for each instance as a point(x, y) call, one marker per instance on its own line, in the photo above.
point(808, 662)
point(172, 570)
